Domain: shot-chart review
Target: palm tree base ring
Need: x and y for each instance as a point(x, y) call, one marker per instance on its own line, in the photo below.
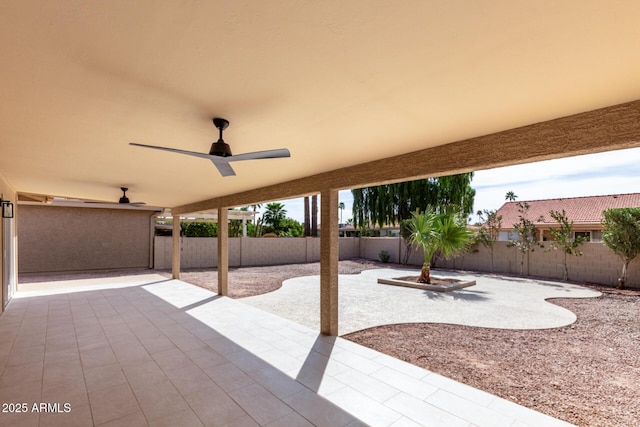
point(440, 285)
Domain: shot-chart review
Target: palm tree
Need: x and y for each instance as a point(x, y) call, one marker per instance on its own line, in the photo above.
point(510, 196)
point(307, 223)
point(341, 207)
point(255, 211)
point(274, 215)
point(314, 215)
point(433, 231)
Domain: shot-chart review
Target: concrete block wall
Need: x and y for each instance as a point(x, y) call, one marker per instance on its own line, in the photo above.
point(202, 252)
point(597, 264)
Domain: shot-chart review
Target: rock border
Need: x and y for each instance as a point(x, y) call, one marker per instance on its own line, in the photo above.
point(425, 286)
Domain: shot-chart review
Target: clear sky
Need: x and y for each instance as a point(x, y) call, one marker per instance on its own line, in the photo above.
point(613, 172)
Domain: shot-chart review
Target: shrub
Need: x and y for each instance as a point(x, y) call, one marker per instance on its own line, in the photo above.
point(384, 256)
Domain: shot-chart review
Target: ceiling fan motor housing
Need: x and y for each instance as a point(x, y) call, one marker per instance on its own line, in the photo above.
point(220, 149)
point(124, 198)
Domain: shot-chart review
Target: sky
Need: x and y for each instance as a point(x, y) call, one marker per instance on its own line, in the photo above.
point(612, 172)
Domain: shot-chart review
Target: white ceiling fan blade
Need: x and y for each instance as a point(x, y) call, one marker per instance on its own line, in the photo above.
point(173, 150)
point(222, 163)
point(267, 154)
point(223, 166)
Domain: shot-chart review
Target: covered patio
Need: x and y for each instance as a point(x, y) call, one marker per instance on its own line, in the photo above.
point(146, 350)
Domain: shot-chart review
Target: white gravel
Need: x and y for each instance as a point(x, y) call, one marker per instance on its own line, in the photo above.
point(494, 302)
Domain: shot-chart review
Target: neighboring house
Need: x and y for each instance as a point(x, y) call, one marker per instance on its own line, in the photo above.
point(585, 212)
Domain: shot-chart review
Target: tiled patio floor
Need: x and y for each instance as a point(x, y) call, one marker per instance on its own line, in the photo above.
point(145, 350)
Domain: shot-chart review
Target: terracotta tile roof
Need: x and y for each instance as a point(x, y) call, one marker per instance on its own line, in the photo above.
point(582, 210)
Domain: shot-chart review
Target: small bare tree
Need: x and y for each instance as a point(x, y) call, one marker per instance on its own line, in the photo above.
point(488, 234)
point(564, 238)
point(527, 240)
point(621, 234)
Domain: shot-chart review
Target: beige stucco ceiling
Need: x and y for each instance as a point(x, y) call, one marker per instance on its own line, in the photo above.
point(338, 83)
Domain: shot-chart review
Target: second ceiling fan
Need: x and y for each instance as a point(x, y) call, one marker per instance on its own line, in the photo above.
point(220, 152)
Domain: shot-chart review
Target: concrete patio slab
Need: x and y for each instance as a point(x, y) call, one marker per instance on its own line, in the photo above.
point(494, 302)
point(163, 352)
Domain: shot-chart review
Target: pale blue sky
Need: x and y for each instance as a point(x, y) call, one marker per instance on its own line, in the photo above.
point(613, 172)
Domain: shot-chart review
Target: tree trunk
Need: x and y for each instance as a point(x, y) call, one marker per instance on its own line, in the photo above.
point(314, 215)
point(566, 269)
point(623, 279)
point(307, 224)
point(491, 252)
point(425, 274)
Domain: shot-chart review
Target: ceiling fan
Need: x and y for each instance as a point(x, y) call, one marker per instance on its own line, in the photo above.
point(124, 200)
point(220, 152)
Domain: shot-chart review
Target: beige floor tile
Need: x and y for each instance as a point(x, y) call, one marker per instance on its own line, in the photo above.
point(133, 353)
point(61, 353)
point(406, 383)
point(26, 355)
point(62, 373)
point(172, 359)
point(136, 419)
point(377, 390)
point(78, 416)
point(214, 407)
point(276, 381)
point(364, 408)
point(189, 379)
point(262, 405)
point(160, 400)
point(28, 372)
point(293, 419)
point(97, 357)
point(319, 411)
point(206, 357)
point(20, 419)
point(21, 392)
point(104, 377)
point(111, 403)
point(143, 374)
point(74, 393)
point(157, 344)
point(186, 418)
point(228, 377)
point(423, 413)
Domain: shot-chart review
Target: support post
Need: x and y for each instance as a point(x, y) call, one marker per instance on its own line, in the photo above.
point(175, 253)
point(223, 251)
point(329, 256)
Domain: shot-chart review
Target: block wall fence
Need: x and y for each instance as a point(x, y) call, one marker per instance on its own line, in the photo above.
point(597, 264)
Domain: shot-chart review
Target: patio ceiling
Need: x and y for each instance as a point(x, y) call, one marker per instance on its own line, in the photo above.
point(338, 83)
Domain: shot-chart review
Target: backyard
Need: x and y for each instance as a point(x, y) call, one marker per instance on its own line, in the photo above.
point(587, 373)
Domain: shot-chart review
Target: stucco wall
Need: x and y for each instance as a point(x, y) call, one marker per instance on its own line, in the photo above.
point(8, 245)
point(54, 238)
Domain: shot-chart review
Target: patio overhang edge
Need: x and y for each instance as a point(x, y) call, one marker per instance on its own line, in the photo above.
point(605, 129)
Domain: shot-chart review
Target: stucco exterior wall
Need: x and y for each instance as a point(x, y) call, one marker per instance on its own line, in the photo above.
point(8, 245)
point(54, 238)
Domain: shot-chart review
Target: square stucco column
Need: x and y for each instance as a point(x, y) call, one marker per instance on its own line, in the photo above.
point(176, 248)
point(329, 255)
point(223, 251)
